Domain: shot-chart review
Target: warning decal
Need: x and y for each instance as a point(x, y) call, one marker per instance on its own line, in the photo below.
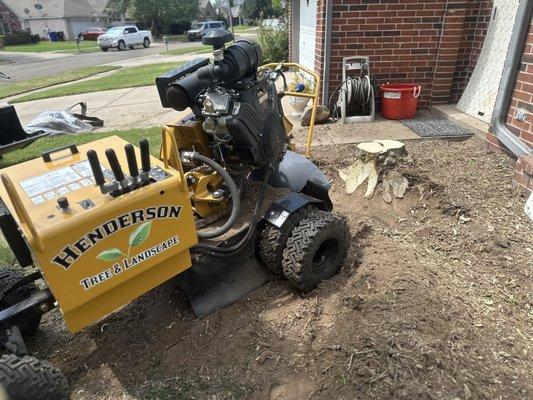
point(58, 182)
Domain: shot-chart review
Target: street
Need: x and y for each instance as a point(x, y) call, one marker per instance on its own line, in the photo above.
point(24, 66)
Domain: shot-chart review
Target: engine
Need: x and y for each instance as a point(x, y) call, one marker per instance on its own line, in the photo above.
point(239, 107)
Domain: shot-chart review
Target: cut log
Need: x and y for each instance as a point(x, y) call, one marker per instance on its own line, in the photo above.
point(373, 162)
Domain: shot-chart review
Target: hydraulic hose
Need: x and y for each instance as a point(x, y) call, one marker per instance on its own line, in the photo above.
point(235, 197)
point(225, 252)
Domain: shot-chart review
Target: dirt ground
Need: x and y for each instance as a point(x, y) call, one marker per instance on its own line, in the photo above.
point(433, 302)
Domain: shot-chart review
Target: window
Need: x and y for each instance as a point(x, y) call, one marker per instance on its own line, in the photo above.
point(130, 30)
point(5, 29)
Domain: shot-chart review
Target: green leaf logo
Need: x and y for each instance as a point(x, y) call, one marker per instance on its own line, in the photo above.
point(140, 234)
point(109, 255)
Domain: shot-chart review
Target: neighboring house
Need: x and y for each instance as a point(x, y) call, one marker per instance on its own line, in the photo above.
point(235, 9)
point(68, 16)
point(9, 22)
point(207, 11)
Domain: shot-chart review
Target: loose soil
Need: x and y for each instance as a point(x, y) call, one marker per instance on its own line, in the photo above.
point(433, 302)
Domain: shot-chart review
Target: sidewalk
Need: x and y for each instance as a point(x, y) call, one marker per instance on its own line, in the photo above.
point(120, 109)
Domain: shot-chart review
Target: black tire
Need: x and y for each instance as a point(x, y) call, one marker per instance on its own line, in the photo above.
point(316, 249)
point(273, 240)
point(28, 322)
point(25, 378)
point(121, 45)
point(104, 48)
point(146, 43)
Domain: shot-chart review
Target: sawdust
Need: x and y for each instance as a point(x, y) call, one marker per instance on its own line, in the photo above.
point(433, 302)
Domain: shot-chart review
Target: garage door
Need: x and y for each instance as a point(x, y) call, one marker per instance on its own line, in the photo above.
point(306, 46)
point(479, 96)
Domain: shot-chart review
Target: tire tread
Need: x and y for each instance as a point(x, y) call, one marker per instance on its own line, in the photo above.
point(273, 239)
point(29, 378)
point(304, 238)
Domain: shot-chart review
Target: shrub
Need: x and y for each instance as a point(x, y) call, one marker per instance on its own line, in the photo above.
point(300, 78)
point(35, 38)
point(275, 45)
point(23, 37)
point(1, 41)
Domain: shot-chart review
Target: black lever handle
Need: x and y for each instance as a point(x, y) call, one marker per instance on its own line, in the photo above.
point(145, 155)
point(114, 164)
point(132, 160)
point(95, 167)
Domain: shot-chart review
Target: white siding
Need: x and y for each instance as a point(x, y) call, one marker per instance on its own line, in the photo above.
point(306, 44)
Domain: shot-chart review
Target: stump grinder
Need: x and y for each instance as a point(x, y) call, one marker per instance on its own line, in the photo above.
point(225, 198)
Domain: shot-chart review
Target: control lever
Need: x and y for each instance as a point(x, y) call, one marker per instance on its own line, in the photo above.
point(117, 169)
point(145, 160)
point(132, 163)
point(95, 167)
point(99, 179)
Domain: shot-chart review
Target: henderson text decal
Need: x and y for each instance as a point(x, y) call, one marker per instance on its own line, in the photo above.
point(68, 255)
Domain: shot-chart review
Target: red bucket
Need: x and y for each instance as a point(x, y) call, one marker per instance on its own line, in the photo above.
point(399, 100)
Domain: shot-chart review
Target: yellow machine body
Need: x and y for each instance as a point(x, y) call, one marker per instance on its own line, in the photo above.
point(103, 251)
point(189, 135)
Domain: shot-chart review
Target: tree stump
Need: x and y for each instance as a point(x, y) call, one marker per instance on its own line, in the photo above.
point(374, 162)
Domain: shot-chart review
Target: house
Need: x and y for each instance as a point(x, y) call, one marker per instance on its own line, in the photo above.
point(68, 16)
point(9, 22)
point(458, 50)
point(207, 11)
point(234, 7)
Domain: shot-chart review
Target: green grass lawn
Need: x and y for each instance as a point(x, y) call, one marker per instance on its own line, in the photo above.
point(34, 150)
point(42, 47)
point(190, 49)
point(177, 38)
point(143, 75)
point(243, 28)
point(11, 89)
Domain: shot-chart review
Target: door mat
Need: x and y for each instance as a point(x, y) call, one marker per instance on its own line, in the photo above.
point(435, 127)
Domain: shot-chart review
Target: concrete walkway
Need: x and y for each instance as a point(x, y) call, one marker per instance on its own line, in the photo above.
point(120, 109)
point(141, 108)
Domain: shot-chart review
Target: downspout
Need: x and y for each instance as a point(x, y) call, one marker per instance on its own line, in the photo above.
point(510, 70)
point(327, 51)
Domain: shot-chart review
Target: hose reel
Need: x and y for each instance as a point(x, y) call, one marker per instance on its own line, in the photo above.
point(356, 95)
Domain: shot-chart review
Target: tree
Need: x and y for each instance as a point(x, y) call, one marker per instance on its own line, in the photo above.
point(256, 9)
point(159, 14)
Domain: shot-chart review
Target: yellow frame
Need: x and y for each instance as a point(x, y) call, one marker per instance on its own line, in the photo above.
point(313, 96)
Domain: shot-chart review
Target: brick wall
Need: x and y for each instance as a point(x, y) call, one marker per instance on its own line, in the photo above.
point(289, 28)
point(9, 17)
point(523, 95)
point(319, 43)
point(522, 101)
point(408, 41)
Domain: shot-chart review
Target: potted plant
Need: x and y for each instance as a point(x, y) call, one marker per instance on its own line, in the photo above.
point(300, 84)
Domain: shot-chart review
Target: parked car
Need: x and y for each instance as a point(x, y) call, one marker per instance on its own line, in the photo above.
point(199, 29)
point(92, 33)
point(121, 37)
point(273, 24)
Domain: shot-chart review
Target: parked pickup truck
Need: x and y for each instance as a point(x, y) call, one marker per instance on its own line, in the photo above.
point(121, 37)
